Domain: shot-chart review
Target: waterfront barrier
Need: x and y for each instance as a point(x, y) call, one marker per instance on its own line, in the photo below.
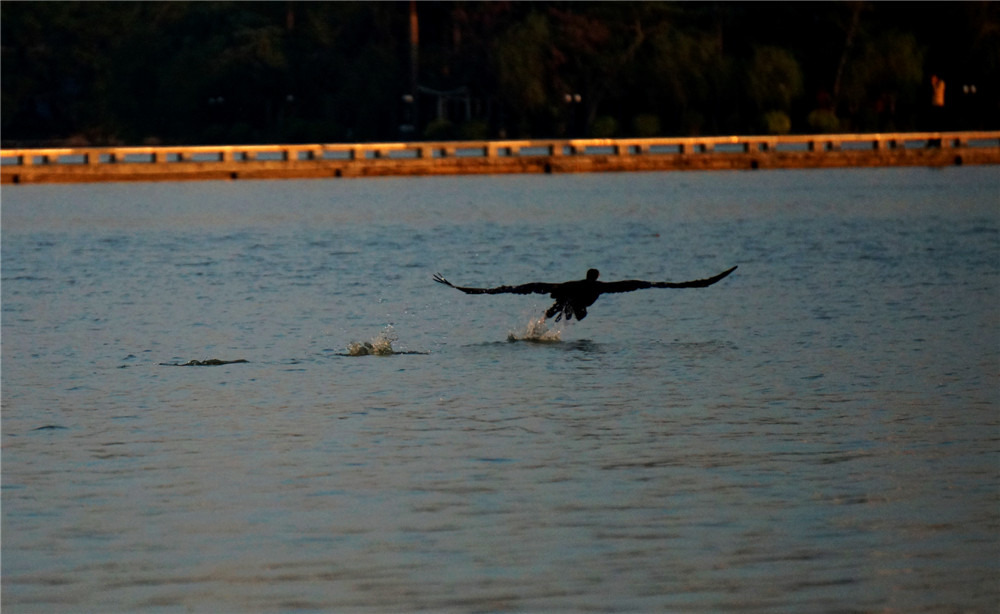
point(175, 163)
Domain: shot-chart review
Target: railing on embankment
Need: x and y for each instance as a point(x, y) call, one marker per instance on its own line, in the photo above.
point(172, 163)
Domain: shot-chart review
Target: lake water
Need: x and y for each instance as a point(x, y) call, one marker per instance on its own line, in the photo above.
point(819, 432)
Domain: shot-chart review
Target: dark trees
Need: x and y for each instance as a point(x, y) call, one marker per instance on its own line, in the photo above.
point(246, 72)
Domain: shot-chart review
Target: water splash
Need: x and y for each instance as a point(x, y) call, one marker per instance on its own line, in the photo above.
point(378, 346)
point(536, 331)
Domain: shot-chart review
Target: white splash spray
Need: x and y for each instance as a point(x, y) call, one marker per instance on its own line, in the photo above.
point(536, 331)
point(378, 346)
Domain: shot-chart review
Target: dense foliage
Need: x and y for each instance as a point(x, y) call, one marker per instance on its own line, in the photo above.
point(250, 72)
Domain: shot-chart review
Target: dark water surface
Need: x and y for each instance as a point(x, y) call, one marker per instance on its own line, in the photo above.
point(819, 432)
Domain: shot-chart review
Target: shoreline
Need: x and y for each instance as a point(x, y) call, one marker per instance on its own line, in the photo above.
point(234, 162)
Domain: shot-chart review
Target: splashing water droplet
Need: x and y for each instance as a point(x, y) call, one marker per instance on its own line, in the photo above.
point(536, 330)
point(378, 346)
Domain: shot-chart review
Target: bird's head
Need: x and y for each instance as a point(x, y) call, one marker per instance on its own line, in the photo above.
point(592, 275)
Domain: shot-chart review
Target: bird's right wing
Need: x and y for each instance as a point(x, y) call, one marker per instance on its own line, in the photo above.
point(533, 288)
point(697, 283)
point(635, 284)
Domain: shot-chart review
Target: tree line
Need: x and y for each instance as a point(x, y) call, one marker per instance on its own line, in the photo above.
point(268, 72)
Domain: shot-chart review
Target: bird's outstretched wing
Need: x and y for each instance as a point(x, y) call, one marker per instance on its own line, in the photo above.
point(635, 284)
point(533, 288)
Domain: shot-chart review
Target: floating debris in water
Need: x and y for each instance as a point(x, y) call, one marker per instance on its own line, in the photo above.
point(211, 362)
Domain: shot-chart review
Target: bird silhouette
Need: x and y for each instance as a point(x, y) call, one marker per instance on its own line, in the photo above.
point(573, 297)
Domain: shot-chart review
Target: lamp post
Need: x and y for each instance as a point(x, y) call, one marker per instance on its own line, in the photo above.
point(573, 101)
point(408, 127)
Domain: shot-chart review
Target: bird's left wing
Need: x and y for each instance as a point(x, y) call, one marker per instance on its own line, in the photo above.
point(635, 284)
point(532, 288)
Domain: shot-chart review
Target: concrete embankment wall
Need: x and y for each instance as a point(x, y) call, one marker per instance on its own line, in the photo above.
point(178, 163)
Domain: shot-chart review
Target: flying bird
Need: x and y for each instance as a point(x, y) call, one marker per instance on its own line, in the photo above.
point(573, 297)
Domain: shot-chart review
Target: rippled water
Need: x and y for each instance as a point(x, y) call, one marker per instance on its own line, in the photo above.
point(819, 432)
